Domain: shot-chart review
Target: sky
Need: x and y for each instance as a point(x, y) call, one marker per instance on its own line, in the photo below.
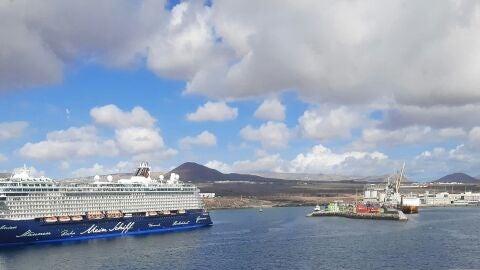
point(336, 87)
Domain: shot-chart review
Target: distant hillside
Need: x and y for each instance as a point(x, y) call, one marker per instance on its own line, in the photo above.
point(458, 177)
point(193, 172)
point(5, 175)
point(307, 176)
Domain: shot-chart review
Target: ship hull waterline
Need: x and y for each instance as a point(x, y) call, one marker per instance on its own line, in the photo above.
point(21, 232)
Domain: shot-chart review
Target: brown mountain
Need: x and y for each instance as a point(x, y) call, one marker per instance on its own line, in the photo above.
point(458, 177)
point(194, 172)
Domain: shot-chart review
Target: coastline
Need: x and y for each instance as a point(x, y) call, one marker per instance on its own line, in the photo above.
point(236, 202)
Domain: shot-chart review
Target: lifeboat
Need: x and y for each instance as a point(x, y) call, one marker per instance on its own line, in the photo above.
point(181, 211)
point(50, 219)
point(166, 212)
point(114, 214)
point(64, 219)
point(151, 213)
point(77, 218)
point(95, 215)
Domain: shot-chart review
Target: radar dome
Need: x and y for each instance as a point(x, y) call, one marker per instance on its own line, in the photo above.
point(110, 178)
point(96, 178)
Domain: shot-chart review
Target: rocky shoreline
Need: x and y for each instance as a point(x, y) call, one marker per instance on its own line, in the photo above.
point(235, 202)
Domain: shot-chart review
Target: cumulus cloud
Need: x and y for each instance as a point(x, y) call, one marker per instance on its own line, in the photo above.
point(439, 116)
point(322, 159)
point(203, 139)
point(440, 161)
point(112, 116)
point(155, 155)
point(412, 135)
point(319, 159)
point(99, 169)
point(10, 130)
point(270, 134)
point(322, 124)
point(213, 111)
point(186, 43)
point(74, 142)
point(360, 51)
point(45, 38)
point(135, 134)
point(264, 163)
point(271, 109)
point(219, 166)
point(137, 139)
point(34, 172)
point(377, 50)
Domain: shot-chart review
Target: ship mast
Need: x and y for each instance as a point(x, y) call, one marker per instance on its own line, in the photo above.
point(399, 180)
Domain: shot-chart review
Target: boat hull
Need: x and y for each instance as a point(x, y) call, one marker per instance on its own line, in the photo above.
point(410, 209)
point(19, 232)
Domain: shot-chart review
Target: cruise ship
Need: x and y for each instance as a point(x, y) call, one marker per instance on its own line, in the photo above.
point(41, 210)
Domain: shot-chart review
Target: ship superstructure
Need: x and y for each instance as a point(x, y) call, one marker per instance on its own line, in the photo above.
point(41, 203)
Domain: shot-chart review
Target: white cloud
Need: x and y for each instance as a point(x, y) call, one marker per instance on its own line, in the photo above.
point(439, 116)
point(270, 134)
point(319, 159)
point(430, 61)
point(137, 140)
point(440, 161)
point(413, 135)
point(232, 50)
point(99, 169)
point(157, 155)
point(219, 166)
point(452, 132)
point(112, 116)
point(323, 160)
point(10, 130)
point(186, 44)
point(32, 171)
point(213, 111)
point(64, 165)
point(203, 139)
point(265, 163)
point(271, 109)
point(329, 124)
point(39, 40)
point(135, 134)
point(75, 142)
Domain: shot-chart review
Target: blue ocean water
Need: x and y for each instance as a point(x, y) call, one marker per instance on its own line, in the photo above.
point(277, 238)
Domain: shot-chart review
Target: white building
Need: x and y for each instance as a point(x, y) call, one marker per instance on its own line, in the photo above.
point(207, 195)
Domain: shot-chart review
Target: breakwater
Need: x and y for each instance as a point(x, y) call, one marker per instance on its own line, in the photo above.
point(398, 215)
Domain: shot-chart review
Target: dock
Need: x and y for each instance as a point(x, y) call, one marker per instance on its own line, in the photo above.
point(398, 215)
